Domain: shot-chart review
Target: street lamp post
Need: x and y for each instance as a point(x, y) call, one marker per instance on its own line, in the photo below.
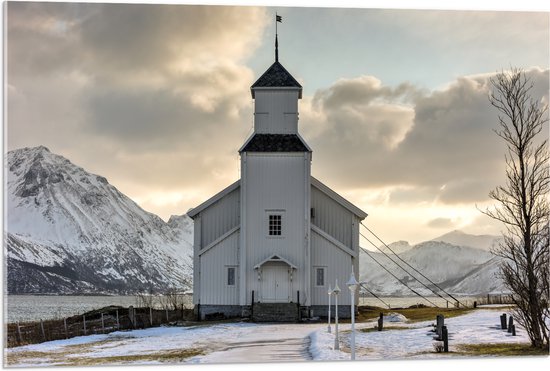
point(329, 295)
point(352, 285)
point(336, 291)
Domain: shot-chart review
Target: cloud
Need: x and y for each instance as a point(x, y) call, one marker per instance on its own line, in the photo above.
point(441, 223)
point(138, 93)
point(439, 143)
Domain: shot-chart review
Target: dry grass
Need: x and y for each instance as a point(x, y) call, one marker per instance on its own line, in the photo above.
point(412, 314)
point(500, 349)
point(67, 357)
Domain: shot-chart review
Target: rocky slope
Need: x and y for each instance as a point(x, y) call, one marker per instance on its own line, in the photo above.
point(69, 231)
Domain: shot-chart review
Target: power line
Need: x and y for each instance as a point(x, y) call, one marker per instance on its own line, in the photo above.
point(404, 270)
point(394, 276)
point(413, 268)
point(373, 294)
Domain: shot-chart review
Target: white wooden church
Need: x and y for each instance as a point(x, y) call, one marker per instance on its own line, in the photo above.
point(277, 238)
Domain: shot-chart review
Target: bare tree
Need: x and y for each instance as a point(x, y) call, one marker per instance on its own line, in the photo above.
point(522, 203)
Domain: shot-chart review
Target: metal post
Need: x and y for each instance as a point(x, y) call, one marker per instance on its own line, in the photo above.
point(329, 297)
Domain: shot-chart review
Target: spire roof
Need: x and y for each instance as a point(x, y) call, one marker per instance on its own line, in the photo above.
point(276, 76)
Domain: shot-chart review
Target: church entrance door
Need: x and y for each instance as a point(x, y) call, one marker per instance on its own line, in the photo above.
point(275, 283)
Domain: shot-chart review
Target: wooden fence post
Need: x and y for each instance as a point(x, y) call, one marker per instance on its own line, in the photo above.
point(381, 322)
point(66, 329)
point(151, 315)
point(513, 330)
point(445, 336)
point(510, 324)
point(131, 316)
point(102, 324)
point(117, 321)
point(84, 321)
point(167, 319)
point(43, 332)
point(20, 338)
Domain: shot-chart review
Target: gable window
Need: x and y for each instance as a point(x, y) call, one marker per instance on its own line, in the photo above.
point(320, 276)
point(231, 276)
point(275, 224)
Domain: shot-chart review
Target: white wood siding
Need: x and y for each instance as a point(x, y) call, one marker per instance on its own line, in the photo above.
point(276, 112)
point(213, 264)
point(332, 217)
point(338, 263)
point(220, 217)
point(276, 182)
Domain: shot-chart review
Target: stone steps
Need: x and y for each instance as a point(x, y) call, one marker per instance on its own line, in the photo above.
point(275, 312)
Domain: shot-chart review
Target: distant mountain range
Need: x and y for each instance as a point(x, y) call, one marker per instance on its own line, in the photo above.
point(457, 262)
point(69, 231)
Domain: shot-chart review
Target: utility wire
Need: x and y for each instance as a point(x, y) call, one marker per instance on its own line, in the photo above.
point(394, 276)
point(373, 294)
point(404, 270)
point(433, 283)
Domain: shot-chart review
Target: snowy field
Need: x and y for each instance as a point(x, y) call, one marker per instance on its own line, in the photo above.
point(248, 342)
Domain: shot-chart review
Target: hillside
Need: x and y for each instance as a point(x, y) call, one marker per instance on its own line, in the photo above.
point(457, 269)
point(69, 231)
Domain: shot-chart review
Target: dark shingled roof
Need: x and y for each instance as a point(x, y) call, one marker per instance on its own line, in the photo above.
point(276, 76)
point(275, 143)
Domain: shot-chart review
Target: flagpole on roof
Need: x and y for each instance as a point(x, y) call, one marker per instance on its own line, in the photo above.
point(278, 18)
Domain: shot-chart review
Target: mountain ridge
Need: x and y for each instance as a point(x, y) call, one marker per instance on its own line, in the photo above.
point(63, 219)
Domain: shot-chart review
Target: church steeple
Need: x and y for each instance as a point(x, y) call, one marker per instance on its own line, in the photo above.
point(276, 48)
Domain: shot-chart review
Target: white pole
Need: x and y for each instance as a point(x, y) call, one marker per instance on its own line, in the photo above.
point(329, 295)
point(336, 339)
point(353, 325)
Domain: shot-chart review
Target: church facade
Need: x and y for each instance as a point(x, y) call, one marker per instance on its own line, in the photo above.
point(277, 235)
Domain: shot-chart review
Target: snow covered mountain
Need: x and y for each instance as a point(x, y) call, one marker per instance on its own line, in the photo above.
point(69, 231)
point(459, 238)
point(459, 269)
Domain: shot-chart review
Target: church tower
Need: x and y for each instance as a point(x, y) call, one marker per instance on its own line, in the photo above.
point(271, 244)
point(275, 195)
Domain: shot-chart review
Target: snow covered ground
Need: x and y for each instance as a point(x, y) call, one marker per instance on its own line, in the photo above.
point(248, 342)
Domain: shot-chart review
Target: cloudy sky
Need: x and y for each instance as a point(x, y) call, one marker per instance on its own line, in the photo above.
point(156, 98)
